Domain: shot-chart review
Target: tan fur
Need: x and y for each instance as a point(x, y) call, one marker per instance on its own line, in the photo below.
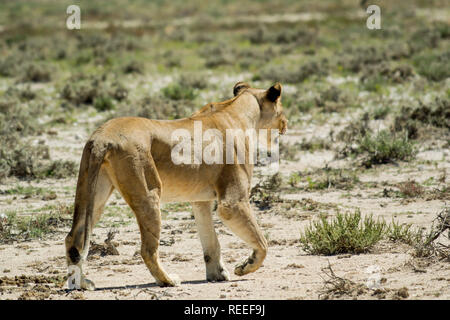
point(133, 156)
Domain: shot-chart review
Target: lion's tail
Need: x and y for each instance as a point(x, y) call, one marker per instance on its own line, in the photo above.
point(92, 159)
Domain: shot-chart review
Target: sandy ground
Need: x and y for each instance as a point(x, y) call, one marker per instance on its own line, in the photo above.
point(287, 273)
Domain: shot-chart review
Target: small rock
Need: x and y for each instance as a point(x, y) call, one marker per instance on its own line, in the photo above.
point(52, 132)
point(49, 196)
point(403, 293)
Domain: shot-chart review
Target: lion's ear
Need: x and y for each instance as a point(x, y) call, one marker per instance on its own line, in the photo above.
point(274, 92)
point(238, 87)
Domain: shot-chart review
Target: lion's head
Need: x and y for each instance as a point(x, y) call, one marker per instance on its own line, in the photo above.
point(272, 115)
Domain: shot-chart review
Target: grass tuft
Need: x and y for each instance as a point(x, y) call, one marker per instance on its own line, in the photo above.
point(346, 233)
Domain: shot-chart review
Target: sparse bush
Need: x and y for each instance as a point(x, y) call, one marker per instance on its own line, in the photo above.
point(119, 92)
point(59, 169)
point(331, 99)
point(356, 59)
point(332, 178)
point(411, 189)
point(346, 233)
point(384, 147)
point(22, 160)
point(37, 226)
point(288, 151)
point(289, 74)
point(179, 91)
point(79, 93)
point(103, 103)
point(94, 91)
point(355, 130)
point(425, 244)
point(33, 72)
point(400, 233)
point(433, 66)
point(381, 112)
point(218, 55)
point(374, 77)
point(436, 114)
point(196, 81)
point(9, 65)
point(314, 144)
point(133, 67)
point(424, 38)
point(295, 103)
point(296, 36)
point(25, 94)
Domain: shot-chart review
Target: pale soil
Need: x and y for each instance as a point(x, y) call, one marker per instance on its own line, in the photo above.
point(288, 272)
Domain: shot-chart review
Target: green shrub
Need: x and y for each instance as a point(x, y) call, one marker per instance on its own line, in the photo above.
point(346, 233)
point(9, 65)
point(133, 67)
point(103, 103)
point(22, 160)
point(401, 233)
point(59, 169)
point(178, 91)
point(300, 37)
point(332, 178)
point(79, 93)
point(288, 151)
point(355, 59)
point(290, 74)
point(196, 81)
point(436, 114)
point(381, 112)
point(424, 38)
point(14, 227)
point(96, 91)
point(36, 73)
point(218, 55)
point(433, 66)
point(384, 147)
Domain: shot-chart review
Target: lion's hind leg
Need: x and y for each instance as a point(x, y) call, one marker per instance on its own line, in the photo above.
point(139, 184)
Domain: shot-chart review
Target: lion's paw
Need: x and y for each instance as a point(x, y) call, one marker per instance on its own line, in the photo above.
point(87, 284)
point(245, 267)
point(221, 274)
point(172, 281)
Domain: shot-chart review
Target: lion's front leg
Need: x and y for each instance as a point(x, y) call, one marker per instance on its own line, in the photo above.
point(237, 215)
point(215, 270)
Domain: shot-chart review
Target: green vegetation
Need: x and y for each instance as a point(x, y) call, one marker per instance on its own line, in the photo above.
point(346, 233)
point(325, 178)
point(350, 233)
point(384, 147)
point(179, 91)
point(14, 227)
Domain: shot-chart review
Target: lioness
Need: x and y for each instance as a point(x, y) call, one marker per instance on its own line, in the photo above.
point(133, 155)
